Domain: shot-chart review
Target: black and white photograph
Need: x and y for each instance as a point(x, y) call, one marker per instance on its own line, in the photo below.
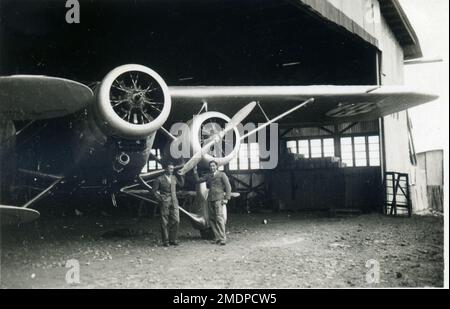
point(224, 145)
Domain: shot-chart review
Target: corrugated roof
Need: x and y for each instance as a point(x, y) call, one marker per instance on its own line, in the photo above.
point(402, 28)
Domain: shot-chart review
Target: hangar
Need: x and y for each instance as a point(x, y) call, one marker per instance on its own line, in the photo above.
point(362, 166)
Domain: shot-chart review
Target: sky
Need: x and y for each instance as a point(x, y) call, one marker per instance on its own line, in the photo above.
point(430, 19)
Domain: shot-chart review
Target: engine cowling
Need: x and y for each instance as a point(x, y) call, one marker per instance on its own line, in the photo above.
point(132, 102)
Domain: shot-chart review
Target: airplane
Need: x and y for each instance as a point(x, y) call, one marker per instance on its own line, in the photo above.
point(106, 131)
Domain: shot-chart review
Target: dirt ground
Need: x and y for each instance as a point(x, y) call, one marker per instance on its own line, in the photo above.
point(290, 251)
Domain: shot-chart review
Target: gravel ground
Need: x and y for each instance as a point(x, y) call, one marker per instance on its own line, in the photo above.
point(290, 251)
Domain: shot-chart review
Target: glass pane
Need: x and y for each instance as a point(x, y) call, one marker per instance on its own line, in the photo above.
point(346, 151)
point(303, 148)
point(292, 146)
point(374, 151)
point(152, 165)
point(360, 147)
point(346, 141)
point(243, 150)
point(374, 147)
point(254, 165)
point(361, 162)
point(328, 142)
point(233, 166)
point(254, 150)
point(328, 147)
point(360, 151)
point(360, 140)
point(243, 164)
point(360, 155)
point(374, 140)
point(316, 148)
point(254, 156)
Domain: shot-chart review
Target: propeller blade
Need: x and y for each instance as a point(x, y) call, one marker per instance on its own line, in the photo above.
point(237, 119)
point(196, 158)
point(240, 116)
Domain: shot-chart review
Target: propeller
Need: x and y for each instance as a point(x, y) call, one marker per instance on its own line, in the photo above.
point(237, 119)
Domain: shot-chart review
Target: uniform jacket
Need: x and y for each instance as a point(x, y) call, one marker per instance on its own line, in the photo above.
point(165, 190)
point(218, 185)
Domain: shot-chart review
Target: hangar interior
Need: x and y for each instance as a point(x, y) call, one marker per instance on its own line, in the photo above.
point(264, 42)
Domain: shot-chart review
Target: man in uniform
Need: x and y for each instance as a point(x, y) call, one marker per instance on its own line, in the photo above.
point(165, 190)
point(218, 196)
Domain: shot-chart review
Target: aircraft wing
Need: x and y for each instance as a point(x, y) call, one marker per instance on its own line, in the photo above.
point(332, 105)
point(33, 97)
point(26, 97)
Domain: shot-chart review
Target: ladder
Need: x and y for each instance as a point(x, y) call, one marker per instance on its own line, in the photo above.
point(397, 199)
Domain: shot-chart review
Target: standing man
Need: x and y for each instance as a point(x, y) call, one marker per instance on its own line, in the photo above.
point(165, 191)
point(218, 196)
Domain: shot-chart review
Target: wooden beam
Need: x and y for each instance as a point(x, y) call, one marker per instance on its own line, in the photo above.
point(326, 130)
point(348, 127)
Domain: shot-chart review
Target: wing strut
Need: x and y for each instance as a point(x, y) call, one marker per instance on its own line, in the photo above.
point(168, 134)
point(204, 107)
point(262, 110)
point(21, 214)
point(277, 118)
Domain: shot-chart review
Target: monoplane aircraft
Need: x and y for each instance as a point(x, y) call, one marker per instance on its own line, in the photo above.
point(106, 131)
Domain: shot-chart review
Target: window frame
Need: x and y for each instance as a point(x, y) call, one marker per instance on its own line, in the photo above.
point(157, 164)
point(367, 149)
point(248, 159)
point(337, 143)
point(309, 139)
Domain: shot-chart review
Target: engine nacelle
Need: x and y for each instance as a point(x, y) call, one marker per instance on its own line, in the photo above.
point(132, 102)
point(201, 128)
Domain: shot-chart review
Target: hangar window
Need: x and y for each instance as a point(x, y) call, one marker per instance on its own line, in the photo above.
point(303, 148)
point(374, 151)
point(292, 146)
point(247, 158)
point(312, 148)
point(153, 164)
point(328, 147)
point(347, 151)
point(316, 148)
point(360, 151)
